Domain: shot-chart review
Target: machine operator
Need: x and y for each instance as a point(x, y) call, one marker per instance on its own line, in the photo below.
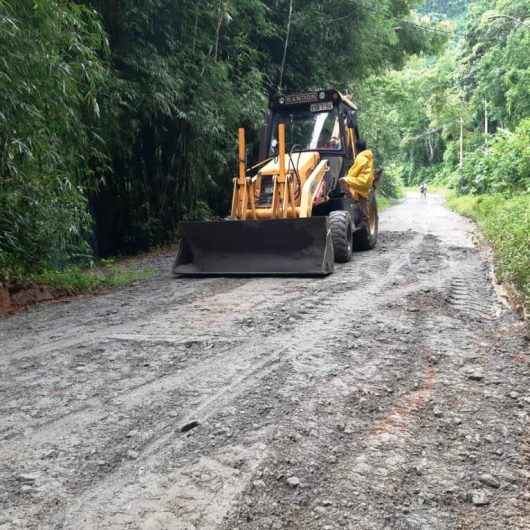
point(360, 177)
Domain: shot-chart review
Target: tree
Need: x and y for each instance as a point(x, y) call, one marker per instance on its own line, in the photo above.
point(50, 74)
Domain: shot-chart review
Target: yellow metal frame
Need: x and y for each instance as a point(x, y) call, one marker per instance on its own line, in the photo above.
point(284, 196)
point(243, 196)
point(312, 189)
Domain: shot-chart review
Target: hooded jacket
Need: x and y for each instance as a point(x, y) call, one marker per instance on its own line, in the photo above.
point(360, 177)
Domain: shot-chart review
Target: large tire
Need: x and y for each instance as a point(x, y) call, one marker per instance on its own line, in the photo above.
point(366, 237)
point(341, 232)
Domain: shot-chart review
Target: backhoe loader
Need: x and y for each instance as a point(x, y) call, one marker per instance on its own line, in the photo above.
point(289, 214)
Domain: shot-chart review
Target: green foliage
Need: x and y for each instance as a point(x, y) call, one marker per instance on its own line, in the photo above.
point(500, 165)
point(75, 280)
point(384, 202)
point(416, 114)
point(506, 224)
point(409, 115)
point(43, 223)
point(178, 96)
point(494, 61)
point(392, 185)
point(50, 73)
point(445, 8)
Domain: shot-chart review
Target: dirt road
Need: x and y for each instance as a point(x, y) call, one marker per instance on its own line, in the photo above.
point(392, 394)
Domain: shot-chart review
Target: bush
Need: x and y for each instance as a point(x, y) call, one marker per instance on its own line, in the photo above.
point(501, 166)
point(42, 224)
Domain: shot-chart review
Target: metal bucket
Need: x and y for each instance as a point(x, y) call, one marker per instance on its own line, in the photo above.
point(292, 247)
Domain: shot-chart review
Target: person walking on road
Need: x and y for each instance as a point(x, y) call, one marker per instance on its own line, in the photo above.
point(423, 190)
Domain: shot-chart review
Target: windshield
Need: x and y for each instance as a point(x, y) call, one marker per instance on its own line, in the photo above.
point(307, 131)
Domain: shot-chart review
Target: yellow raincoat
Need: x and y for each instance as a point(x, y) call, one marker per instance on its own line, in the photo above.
point(360, 177)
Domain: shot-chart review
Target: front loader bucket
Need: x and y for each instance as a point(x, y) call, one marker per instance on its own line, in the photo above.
point(273, 247)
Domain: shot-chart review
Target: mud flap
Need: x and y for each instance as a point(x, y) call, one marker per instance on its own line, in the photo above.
point(294, 247)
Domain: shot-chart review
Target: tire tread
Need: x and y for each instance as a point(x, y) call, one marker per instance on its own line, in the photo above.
point(341, 224)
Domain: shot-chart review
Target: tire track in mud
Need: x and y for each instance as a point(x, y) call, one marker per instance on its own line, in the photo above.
point(314, 377)
point(75, 424)
point(316, 334)
point(374, 489)
point(94, 355)
point(103, 314)
point(288, 342)
point(352, 436)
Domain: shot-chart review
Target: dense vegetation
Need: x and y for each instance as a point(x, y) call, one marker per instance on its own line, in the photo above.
point(51, 70)
point(479, 82)
point(444, 9)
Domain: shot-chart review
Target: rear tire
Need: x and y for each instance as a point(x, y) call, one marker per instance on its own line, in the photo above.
point(342, 234)
point(366, 237)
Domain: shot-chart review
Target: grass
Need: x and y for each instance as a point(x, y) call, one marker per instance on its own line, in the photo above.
point(505, 222)
point(75, 280)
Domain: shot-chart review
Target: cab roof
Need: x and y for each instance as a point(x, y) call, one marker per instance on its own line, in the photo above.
point(311, 96)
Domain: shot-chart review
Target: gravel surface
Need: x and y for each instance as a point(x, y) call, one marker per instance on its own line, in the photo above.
point(390, 395)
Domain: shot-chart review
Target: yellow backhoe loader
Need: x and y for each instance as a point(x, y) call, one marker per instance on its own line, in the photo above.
point(289, 214)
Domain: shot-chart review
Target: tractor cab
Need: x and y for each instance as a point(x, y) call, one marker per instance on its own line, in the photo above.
point(319, 126)
point(322, 121)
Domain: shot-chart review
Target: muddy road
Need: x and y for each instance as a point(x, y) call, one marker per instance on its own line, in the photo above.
point(390, 395)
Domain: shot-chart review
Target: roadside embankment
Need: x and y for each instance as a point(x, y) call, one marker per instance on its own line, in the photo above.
point(505, 222)
point(52, 285)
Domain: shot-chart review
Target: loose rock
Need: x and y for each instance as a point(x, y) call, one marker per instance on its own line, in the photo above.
point(489, 480)
point(28, 478)
point(480, 498)
point(293, 482)
point(476, 374)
